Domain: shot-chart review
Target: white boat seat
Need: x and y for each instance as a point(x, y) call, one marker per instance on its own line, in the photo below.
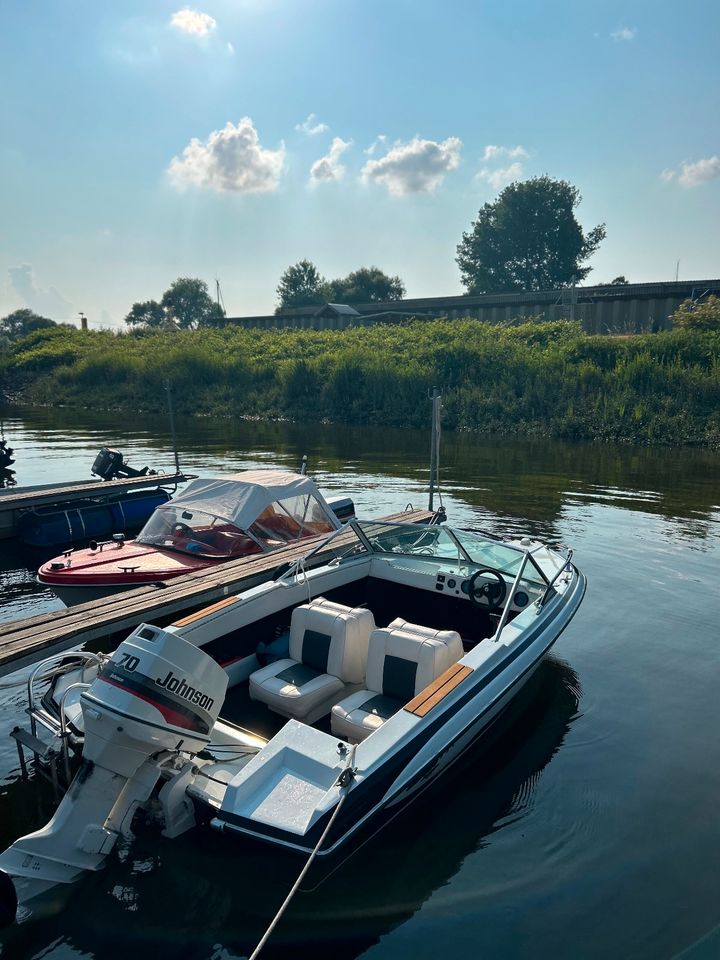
point(328, 657)
point(403, 659)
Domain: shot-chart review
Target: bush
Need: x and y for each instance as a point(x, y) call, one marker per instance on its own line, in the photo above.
point(698, 316)
point(537, 379)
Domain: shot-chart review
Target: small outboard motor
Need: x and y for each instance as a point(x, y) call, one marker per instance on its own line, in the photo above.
point(6, 455)
point(157, 695)
point(342, 507)
point(110, 465)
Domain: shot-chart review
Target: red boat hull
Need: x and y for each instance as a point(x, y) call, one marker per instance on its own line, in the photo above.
point(89, 574)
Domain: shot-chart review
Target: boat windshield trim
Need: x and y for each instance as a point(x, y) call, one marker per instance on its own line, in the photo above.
point(372, 546)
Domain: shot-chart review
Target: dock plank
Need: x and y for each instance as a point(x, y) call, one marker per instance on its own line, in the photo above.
point(25, 641)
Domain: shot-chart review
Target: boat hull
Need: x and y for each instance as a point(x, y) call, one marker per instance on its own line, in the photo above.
point(72, 596)
point(434, 747)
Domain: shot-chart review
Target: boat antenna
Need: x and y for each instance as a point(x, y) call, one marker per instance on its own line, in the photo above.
point(168, 390)
point(435, 448)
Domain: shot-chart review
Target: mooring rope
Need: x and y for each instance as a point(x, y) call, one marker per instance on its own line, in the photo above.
point(344, 780)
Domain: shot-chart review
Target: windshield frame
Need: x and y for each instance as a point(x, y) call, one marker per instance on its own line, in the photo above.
point(371, 547)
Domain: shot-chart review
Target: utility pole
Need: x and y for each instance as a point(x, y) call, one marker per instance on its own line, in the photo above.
point(172, 425)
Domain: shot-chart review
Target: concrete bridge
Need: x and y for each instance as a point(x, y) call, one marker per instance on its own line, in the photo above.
point(626, 308)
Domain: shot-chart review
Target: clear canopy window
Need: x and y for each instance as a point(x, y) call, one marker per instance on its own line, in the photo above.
point(196, 533)
point(199, 533)
point(291, 519)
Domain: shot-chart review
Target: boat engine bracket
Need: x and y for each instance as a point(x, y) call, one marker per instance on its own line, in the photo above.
point(176, 808)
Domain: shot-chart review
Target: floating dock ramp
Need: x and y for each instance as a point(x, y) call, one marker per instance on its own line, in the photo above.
point(13, 503)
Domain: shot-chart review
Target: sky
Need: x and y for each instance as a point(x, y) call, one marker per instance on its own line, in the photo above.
point(228, 139)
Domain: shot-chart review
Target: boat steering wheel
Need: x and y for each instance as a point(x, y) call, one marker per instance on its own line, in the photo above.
point(488, 595)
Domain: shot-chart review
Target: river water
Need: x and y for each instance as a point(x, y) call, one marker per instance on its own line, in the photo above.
point(589, 827)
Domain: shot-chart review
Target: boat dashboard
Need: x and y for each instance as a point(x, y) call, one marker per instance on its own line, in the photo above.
point(488, 588)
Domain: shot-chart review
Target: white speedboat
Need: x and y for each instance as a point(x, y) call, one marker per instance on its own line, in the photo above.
point(381, 668)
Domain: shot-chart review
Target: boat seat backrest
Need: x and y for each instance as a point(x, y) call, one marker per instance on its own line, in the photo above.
point(332, 638)
point(403, 660)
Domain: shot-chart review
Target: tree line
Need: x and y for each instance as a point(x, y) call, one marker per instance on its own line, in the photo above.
point(528, 239)
point(523, 378)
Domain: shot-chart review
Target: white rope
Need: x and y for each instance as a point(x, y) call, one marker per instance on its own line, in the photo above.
point(301, 570)
point(294, 889)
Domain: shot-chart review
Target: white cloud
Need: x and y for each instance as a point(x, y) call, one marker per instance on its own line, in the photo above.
point(418, 166)
point(311, 126)
point(379, 141)
point(693, 174)
point(329, 168)
point(493, 152)
point(624, 34)
point(231, 160)
point(230, 49)
point(502, 176)
point(193, 22)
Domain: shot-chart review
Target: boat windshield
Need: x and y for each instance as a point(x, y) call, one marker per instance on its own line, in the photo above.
point(442, 542)
point(464, 548)
point(184, 529)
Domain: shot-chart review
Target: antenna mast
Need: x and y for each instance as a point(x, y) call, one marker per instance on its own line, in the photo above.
point(219, 297)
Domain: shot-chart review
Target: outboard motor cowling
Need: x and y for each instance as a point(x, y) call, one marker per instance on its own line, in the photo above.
point(162, 690)
point(157, 694)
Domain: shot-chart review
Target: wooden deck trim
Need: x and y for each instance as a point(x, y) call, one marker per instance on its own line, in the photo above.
point(438, 690)
point(199, 614)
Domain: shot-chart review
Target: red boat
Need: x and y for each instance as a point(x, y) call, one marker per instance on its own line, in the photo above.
point(210, 522)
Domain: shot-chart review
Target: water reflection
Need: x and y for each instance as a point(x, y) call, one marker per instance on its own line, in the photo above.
point(492, 478)
point(204, 896)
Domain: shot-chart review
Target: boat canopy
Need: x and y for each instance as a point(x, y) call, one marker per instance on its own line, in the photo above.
point(240, 498)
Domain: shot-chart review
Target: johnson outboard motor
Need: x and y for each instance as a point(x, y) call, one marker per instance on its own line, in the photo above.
point(156, 696)
point(110, 465)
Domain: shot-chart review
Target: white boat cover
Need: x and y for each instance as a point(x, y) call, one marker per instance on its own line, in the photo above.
point(240, 498)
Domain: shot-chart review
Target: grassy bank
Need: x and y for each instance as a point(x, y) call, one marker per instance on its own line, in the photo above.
point(545, 379)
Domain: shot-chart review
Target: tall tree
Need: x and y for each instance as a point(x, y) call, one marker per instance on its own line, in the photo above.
point(21, 322)
point(302, 286)
point(188, 303)
point(367, 285)
point(527, 239)
point(149, 313)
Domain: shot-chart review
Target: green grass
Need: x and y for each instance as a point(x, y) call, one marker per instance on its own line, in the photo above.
point(535, 379)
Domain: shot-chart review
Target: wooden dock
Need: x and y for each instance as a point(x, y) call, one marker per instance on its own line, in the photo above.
point(27, 641)
point(15, 502)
